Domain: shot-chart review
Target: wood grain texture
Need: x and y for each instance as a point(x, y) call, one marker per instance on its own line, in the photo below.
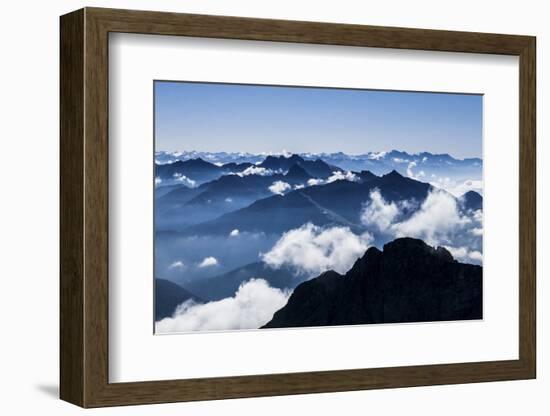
point(84, 207)
point(71, 184)
point(528, 207)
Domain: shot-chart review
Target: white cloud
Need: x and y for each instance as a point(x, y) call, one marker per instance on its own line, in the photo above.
point(336, 176)
point(469, 185)
point(339, 176)
point(178, 177)
point(458, 253)
point(253, 306)
point(312, 249)
point(438, 221)
point(410, 173)
point(435, 221)
point(379, 213)
point(313, 182)
point(255, 170)
point(158, 181)
point(177, 265)
point(299, 186)
point(478, 216)
point(477, 231)
point(229, 200)
point(377, 155)
point(463, 254)
point(208, 262)
point(476, 255)
point(234, 233)
point(279, 187)
point(286, 153)
point(458, 188)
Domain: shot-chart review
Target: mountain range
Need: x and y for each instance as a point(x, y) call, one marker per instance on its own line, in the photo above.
point(377, 162)
point(408, 281)
point(335, 203)
point(218, 214)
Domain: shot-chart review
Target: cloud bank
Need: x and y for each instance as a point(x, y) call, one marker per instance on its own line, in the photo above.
point(435, 222)
point(458, 188)
point(312, 249)
point(379, 213)
point(438, 221)
point(463, 254)
point(253, 306)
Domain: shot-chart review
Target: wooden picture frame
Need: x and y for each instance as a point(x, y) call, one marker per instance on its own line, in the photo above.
point(84, 207)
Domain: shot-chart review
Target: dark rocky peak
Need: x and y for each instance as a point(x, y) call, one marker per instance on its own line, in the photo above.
point(366, 175)
point(393, 175)
point(198, 162)
point(371, 257)
point(281, 162)
point(294, 158)
point(471, 200)
point(237, 167)
point(407, 247)
point(297, 172)
point(409, 281)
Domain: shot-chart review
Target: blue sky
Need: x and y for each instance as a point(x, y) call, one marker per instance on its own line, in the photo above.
point(255, 118)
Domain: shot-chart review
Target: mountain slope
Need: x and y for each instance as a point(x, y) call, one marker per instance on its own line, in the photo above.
point(297, 174)
point(316, 168)
point(471, 200)
point(336, 203)
point(184, 207)
point(270, 215)
point(196, 169)
point(225, 285)
point(168, 295)
point(408, 281)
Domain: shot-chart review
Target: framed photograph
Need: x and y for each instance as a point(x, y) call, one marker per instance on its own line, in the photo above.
point(255, 207)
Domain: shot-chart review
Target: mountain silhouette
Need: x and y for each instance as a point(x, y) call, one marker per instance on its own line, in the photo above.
point(319, 168)
point(275, 214)
point(225, 285)
point(315, 168)
point(184, 206)
point(409, 281)
point(236, 167)
point(365, 175)
point(168, 295)
point(297, 174)
point(196, 169)
point(472, 200)
point(281, 163)
point(336, 203)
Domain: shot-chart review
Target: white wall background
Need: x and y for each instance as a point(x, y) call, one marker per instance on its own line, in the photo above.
point(29, 159)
